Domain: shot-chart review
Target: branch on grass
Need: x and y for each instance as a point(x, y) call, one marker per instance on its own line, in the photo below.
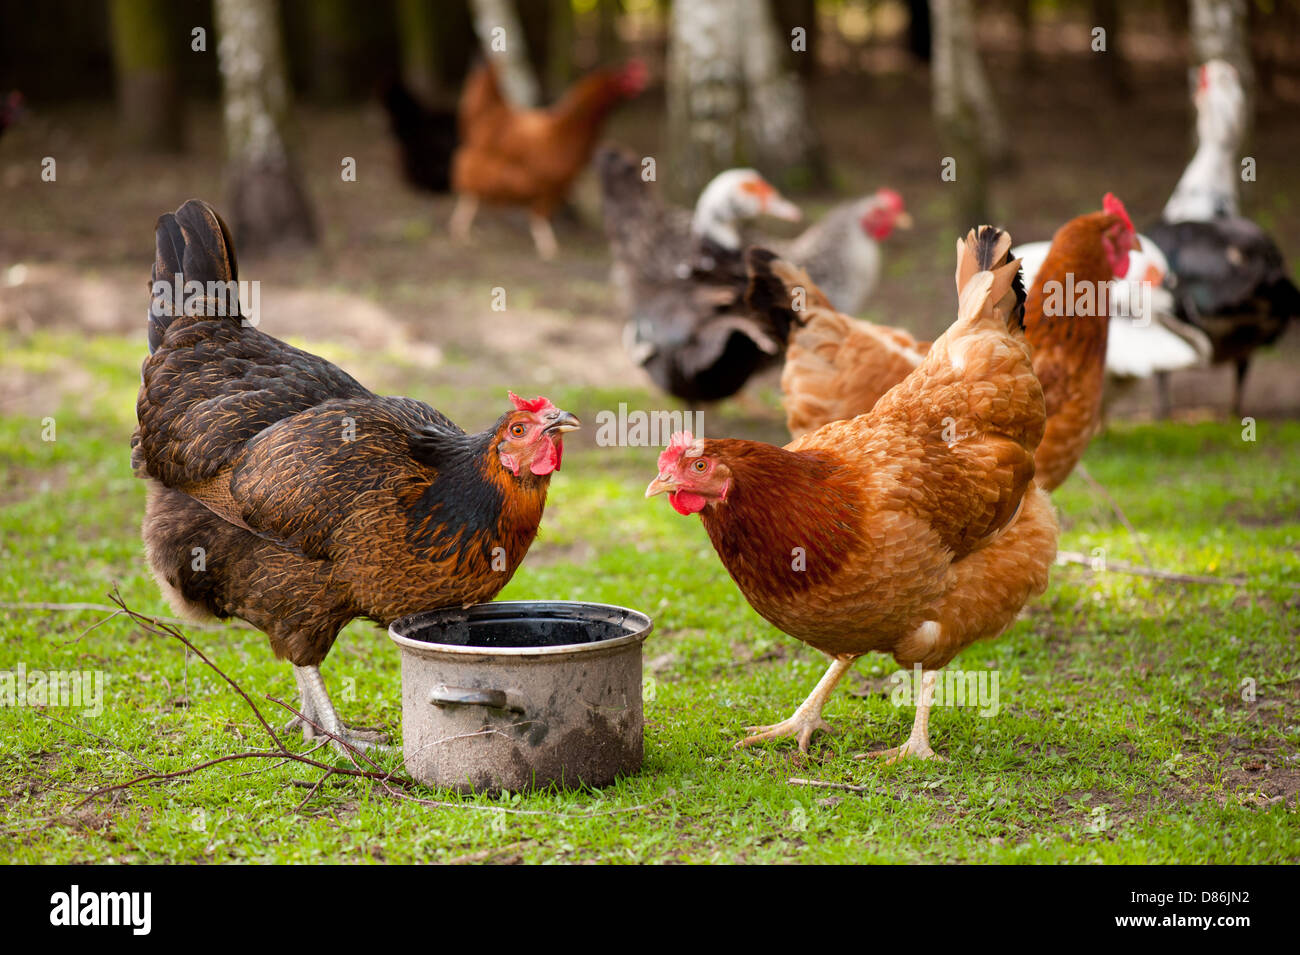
point(1119, 512)
point(823, 784)
point(105, 608)
point(393, 784)
point(1124, 567)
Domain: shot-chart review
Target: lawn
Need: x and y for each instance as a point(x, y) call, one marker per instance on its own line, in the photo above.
point(1139, 720)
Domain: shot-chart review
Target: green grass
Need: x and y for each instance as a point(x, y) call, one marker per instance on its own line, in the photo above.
point(1122, 735)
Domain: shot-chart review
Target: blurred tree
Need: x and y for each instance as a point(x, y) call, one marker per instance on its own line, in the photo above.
point(502, 35)
point(267, 207)
point(786, 146)
point(919, 30)
point(456, 42)
point(148, 97)
point(333, 34)
point(962, 102)
point(706, 94)
point(559, 73)
point(420, 53)
point(1024, 10)
point(1218, 29)
point(730, 94)
point(1106, 14)
point(802, 14)
point(607, 42)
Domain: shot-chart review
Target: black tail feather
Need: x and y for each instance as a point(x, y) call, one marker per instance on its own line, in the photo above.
point(767, 296)
point(986, 241)
point(192, 244)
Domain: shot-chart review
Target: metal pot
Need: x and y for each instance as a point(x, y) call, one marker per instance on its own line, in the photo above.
point(519, 695)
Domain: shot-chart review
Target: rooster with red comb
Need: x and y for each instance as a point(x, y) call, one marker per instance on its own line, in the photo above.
point(284, 493)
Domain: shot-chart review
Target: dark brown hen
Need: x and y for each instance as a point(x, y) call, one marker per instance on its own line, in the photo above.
point(283, 492)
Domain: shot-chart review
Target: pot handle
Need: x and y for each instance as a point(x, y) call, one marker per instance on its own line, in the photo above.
point(465, 696)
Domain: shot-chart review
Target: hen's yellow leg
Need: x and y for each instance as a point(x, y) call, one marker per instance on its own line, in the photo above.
point(807, 719)
point(918, 742)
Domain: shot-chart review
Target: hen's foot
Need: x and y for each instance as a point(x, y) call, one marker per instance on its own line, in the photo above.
point(912, 749)
point(322, 720)
point(354, 737)
point(543, 237)
point(800, 725)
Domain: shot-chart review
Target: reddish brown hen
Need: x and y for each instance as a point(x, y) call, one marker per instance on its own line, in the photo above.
point(530, 157)
point(914, 529)
point(283, 492)
point(837, 367)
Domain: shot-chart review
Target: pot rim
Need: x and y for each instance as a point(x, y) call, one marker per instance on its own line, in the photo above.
point(426, 647)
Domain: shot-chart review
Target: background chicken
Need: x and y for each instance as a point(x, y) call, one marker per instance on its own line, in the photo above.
point(283, 492)
point(530, 157)
point(1149, 336)
point(837, 367)
point(920, 527)
point(680, 278)
point(841, 251)
point(426, 137)
point(1226, 274)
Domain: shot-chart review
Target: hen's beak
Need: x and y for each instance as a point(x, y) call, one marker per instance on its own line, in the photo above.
point(659, 485)
point(564, 422)
point(779, 207)
point(903, 220)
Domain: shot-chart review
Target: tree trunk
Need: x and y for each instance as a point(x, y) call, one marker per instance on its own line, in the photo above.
point(148, 98)
point(1106, 14)
point(731, 96)
point(502, 35)
point(919, 30)
point(798, 13)
point(453, 30)
point(1028, 52)
point(706, 94)
point(785, 144)
point(559, 72)
point(333, 33)
point(1218, 29)
point(415, 33)
point(955, 113)
point(607, 43)
point(267, 206)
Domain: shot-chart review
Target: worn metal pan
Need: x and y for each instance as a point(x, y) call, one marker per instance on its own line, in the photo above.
point(522, 695)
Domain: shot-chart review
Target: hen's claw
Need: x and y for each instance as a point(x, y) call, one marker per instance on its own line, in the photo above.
point(909, 750)
point(798, 726)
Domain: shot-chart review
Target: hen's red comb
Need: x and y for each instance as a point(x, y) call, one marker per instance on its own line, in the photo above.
point(1114, 207)
point(677, 446)
point(537, 404)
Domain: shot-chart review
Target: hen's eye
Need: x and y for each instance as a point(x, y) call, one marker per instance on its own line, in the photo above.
point(700, 465)
point(518, 430)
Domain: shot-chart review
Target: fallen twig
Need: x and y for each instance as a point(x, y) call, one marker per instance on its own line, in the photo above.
point(1114, 506)
point(1124, 567)
point(105, 608)
point(823, 784)
point(393, 784)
